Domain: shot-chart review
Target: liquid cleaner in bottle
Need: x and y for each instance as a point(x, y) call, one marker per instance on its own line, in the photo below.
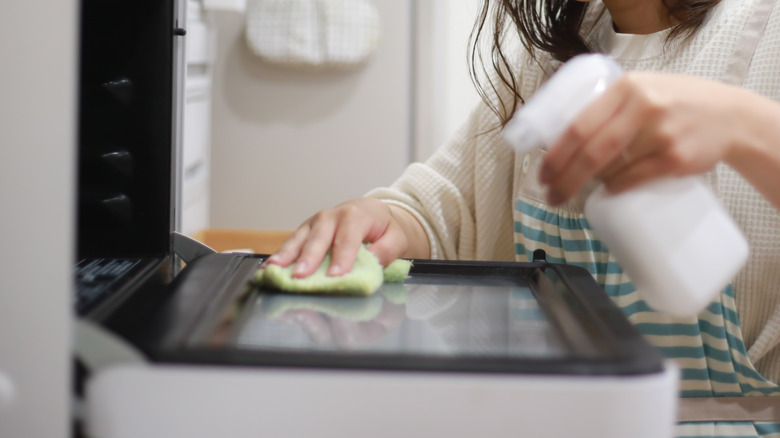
point(671, 236)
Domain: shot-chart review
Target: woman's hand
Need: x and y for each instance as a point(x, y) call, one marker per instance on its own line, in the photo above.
point(647, 126)
point(391, 231)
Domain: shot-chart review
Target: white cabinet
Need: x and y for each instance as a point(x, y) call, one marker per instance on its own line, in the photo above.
point(196, 136)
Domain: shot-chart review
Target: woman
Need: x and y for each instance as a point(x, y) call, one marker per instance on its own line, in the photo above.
point(700, 98)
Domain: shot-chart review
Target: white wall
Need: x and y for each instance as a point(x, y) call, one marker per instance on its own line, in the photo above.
point(445, 93)
point(287, 143)
point(37, 151)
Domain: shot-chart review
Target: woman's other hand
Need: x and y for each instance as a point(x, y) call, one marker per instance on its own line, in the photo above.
point(647, 126)
point(391, 232)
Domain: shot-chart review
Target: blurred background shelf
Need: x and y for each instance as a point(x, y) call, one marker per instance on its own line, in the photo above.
point(256, 241)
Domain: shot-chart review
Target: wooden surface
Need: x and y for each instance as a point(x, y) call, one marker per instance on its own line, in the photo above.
point(256, 241)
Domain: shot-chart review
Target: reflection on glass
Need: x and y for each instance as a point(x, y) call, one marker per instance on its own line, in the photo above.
point(422, 316)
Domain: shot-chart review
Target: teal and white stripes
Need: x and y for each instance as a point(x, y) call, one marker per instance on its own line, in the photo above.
point(709, 350)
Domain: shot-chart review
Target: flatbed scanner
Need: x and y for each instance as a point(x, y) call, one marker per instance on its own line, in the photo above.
point(175, 340)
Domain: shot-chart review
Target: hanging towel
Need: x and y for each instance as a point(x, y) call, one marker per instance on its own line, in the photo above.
point(313, 33)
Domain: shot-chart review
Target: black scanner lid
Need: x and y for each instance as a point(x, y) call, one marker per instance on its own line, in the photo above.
point(125, 134)
point(126, 151)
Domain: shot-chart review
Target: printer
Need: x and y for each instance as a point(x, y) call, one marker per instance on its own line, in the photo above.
point(175, 340)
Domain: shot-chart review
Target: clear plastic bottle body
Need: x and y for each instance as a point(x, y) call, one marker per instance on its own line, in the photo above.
point(672, 236)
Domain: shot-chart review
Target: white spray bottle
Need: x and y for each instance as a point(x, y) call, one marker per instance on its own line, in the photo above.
point(672, 236)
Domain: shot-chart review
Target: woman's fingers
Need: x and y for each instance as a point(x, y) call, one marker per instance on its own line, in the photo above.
point(291, 248)
point(582, 129)
point(637, 174)
point(317, 244)
point(342, 230)
point(353, 229)
point(631, 132)
point(371, 221)
point(307, 246)
point(605, 147)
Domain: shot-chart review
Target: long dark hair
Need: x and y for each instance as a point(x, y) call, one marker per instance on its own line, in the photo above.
point(551, 26)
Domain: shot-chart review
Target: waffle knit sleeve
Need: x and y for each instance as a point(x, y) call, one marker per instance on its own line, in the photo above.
point(462, 194)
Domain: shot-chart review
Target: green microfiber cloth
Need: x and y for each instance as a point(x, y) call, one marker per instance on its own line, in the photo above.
point(397, 271)
point(366, 276)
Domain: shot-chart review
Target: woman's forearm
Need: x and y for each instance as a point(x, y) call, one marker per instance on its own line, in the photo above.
point(756, 155)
